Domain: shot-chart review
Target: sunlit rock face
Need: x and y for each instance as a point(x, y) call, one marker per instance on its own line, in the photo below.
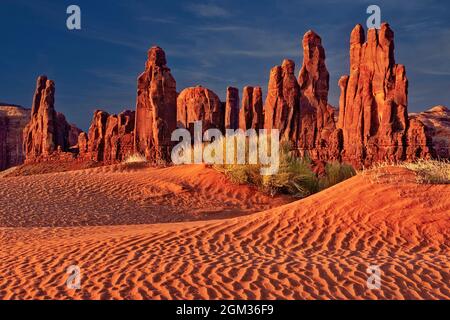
point(156, 108)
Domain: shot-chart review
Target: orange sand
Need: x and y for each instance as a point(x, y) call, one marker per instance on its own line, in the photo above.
point(315, 248)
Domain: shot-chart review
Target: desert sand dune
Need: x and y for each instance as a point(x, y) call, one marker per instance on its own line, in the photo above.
point(119, 194)
point(315, 248)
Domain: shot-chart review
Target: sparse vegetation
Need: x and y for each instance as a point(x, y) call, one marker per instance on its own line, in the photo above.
point(427, 171)
point(135, 158)
point(430, 171)
point(336, 172)
point(134, 162)
point(295, 176)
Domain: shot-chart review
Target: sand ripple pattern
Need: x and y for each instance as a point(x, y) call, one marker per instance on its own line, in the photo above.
point(116, 196)
point(316, 248)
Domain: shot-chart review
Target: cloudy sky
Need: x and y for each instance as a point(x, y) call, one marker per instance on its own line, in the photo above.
point(212, 43)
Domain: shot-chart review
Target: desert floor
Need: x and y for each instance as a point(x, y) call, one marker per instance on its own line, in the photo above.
point(187, 233)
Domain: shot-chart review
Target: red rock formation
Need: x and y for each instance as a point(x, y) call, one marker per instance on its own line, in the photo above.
point(110, 139)
point(3, 146)
point(429, 132)
point(232, 108)
point(111, 143)
point(251, 113)
point(373, 103)
point(318, 135)
point(156, 108)
point(96, 136)
point(418, 140)
point(47, 136)
point(119, 136)
point(83, 146)
point(299, 108)
point(282, 107)
point(73, 135)
point(13, 120)
point(127, 120)
point(198, 103)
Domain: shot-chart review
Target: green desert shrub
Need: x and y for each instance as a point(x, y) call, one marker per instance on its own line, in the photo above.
point(336, 172)
point(295, 175)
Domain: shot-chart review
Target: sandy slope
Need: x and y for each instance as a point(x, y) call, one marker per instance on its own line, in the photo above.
point(318, 247)
point(122, 195)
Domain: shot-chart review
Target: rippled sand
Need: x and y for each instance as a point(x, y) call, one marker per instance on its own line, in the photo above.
point(113, 223)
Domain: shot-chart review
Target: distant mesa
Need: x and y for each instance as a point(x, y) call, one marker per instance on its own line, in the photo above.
point(13, 119)
point(436, 121)
point(371, 124)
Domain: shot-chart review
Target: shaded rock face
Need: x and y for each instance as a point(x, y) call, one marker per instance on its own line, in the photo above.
point(83, 146)
point(74, 132)
point(110, 138)
point(119, 136)
point(232, 108)
point(373, 103)
point(13, 120)
point(48, 135)
point(318, 135)
point(251, 114)
point(199, 104)
point(3, 145)
point(96, 136)
point(429, 132)
point(156, 108)
point(282, 105)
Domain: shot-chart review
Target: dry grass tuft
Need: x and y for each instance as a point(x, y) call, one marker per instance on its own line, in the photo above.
point(135, 158)
point(430, 171)
point(426, 171)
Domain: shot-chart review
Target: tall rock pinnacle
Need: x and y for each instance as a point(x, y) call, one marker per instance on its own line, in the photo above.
point(251, 113)
point(318, 136)
point(48, 131)
point(232, 108)
point(156, 108)
point(281, 108)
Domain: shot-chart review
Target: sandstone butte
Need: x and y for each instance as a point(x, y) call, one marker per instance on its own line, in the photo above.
point(372, 124)
point(373, 111)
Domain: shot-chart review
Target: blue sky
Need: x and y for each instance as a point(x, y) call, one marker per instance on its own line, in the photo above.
point(212, 43)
